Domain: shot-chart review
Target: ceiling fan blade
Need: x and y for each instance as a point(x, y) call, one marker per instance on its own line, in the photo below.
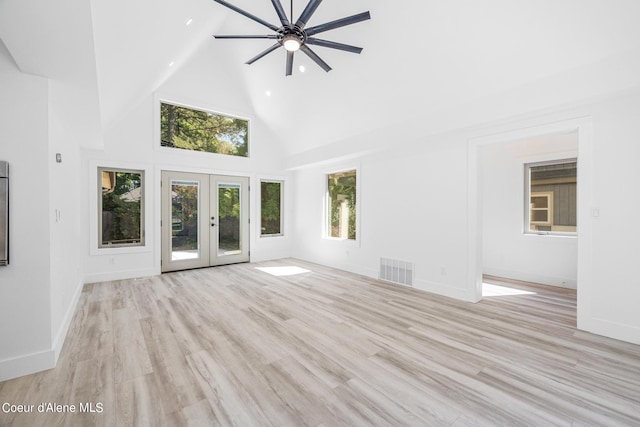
point(270, 36)
point(307, 12)
point(289, 63)
point(333, 45)
point(311, 54)
point(338, 23)
point(263, 53)
point(247, 14)
point(281, 13)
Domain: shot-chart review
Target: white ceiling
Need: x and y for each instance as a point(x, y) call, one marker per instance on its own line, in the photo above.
point(420, 58)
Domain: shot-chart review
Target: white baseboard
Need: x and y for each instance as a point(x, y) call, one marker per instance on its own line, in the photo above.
point(120, 275)
point(355, 269)
point(349, 267)
point(269, 256)
point(561, 282)
point(422, 285)
point(461, 294)
point(607, 328)
point(28, 364)
point(58, 341)
point(47, 359)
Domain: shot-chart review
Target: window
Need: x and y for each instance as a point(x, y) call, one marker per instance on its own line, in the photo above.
point(120, 208)
point(196, 130)
point(341, 205)
point(551, 197)
point(271, 208)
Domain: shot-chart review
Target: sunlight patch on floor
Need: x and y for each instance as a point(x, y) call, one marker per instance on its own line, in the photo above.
point(283, 271)
point(491, 290)
point(185, 254)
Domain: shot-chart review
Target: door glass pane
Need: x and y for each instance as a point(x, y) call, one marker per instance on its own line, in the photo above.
point(229, 219)
point(184, 220)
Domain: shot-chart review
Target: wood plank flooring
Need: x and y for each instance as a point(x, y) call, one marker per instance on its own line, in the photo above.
point(236, 345)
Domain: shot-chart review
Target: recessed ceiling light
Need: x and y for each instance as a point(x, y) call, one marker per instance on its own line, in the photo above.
point(171, 63)
point(189, 21)
point(301, 68)
point(268, 93)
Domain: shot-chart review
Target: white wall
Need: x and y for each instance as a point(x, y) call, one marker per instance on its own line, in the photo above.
point(608, 282)
point(507, 251)
point(25, 310)
point(40, 288)
point(65, 208)
point(132, 142)
point(413, 208)
point(421, 201)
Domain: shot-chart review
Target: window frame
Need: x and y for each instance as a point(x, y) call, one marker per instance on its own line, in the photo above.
point(326, 231)
point(157, 141)
point(549, 208)
point(140, 244)
point(528, 194)
point(273, 181)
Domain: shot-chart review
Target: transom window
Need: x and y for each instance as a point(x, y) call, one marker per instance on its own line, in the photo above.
point(341, 205)
point(551, 206)
point(198, 130)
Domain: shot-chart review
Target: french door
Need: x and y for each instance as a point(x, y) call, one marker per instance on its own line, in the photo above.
point(205, 220)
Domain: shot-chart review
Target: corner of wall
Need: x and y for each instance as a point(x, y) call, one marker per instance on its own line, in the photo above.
point(46, 359)
point(61, 334)
point(467, 295)
point(27, 364)
point(610, 329)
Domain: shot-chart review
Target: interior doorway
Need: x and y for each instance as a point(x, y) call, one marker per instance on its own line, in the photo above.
point(583, 127)
point(205, 220)
point(529, 211)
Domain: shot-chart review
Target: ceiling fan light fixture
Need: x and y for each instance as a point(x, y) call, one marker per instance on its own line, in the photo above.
point(293, 35)
point(291, 43)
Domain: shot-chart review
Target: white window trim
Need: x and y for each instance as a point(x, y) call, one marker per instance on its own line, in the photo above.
point(94, 248)
point(325, 214)
point(527, 197)
point(280, 181)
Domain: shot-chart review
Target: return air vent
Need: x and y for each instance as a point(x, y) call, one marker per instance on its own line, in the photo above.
point(396, 271)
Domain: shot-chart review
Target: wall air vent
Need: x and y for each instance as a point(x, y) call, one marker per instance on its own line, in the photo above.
point(396, 271)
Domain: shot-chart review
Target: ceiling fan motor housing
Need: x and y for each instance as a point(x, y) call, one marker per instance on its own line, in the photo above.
point(292, 33)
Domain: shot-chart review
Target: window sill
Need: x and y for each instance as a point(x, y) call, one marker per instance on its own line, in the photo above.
point(120, 250)
point(346, 242)
point(552, 234)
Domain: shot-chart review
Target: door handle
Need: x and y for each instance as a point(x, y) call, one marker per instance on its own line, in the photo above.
point(213, 218)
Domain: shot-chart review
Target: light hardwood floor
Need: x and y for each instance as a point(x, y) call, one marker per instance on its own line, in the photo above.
point(236, 345)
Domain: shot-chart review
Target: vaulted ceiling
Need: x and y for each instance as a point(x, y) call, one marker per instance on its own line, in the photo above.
point(422, 59)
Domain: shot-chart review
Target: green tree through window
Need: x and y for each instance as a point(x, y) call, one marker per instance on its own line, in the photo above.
point(121, 208)
point(271, 207)
point(342, 204)
point(229, 217)
point(197, 130)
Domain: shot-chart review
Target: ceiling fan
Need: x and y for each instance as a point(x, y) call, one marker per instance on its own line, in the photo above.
point(295, 36)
